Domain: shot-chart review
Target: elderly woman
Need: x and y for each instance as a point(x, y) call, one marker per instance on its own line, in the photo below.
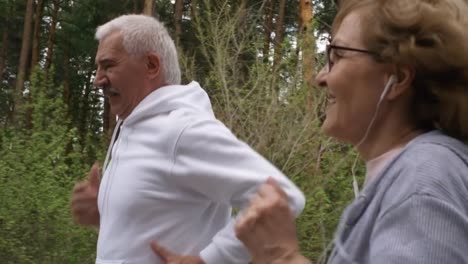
point(397, 85)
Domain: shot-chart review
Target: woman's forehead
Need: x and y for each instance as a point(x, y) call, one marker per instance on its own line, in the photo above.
point(350, 30)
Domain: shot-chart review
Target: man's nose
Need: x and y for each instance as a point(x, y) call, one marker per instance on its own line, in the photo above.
point(100, 80)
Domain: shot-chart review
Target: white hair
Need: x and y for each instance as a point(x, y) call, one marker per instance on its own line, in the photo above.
point(142, 34)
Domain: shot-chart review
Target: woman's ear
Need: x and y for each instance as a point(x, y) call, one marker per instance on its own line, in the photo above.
point(153, 65)
point(403, 83)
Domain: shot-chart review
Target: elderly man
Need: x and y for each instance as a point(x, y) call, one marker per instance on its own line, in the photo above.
point(173, 172)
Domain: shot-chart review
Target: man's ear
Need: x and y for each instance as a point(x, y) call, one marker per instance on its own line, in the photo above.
point(405, 76)
point(153, 65)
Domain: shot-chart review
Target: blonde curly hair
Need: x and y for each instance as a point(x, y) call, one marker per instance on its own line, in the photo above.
point(431, 37)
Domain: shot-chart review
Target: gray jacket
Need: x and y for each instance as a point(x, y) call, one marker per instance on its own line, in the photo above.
point(415, 211)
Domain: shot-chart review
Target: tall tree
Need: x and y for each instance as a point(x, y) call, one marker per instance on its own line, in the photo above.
point(66, 75)
point(37, 33)
point(193, 10)
point(267, 27)
point(135, 6)
point(24, 55)
point(3, 51)
point(306, 29)
point(51, 37)
point(325, 12)
point(5, 36)
point(279, 33)
point(148, 7)
point(84, 118)
point(179, 8)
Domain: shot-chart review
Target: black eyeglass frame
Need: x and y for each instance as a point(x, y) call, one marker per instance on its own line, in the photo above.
point(329, 47)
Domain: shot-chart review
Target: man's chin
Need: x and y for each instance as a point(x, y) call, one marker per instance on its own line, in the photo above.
point(115, 111)
point(119, 114)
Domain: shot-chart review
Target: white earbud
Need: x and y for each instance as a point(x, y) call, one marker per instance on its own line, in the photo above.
point(391, 81)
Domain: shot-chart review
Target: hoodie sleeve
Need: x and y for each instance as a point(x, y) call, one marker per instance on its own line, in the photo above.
point(211, 161)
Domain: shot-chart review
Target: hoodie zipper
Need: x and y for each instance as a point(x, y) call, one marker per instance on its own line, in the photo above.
point(113, 163)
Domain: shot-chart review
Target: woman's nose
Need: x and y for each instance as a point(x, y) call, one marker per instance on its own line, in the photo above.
point(321, 79)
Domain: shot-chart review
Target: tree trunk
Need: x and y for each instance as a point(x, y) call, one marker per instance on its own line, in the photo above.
point(66, 77)
point(51, 38)
point(83, 123)
point(24, 55)
point(308, 50)
point(135, 6)
point(148, 7)
point(279, 34)
point(179, 8)
point(37, 34)
point(193, 10)
point(3, 51)
point(267, 29)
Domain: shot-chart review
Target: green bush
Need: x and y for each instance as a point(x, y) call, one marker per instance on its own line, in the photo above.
point(38, 169)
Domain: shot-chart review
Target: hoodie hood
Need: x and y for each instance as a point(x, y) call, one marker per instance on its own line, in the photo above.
point(190, 97)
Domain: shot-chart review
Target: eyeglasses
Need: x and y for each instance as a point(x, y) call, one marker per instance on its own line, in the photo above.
point(332, 55)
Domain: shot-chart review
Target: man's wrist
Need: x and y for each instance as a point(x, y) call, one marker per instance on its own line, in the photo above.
point(291, 258)
point(199, 260)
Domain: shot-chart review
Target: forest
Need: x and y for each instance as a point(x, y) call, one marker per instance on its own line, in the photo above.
point(257, 60)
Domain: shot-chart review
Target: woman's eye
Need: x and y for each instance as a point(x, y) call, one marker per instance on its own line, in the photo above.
point(338, 54)
point(335, 57)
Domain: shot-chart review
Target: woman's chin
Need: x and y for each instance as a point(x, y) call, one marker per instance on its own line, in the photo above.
point(331, 129)
point(327, 127)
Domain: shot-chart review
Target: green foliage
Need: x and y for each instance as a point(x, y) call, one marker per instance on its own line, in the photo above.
point(53, 142)
point(278, 126)
point(38, 169)
point(325, 12)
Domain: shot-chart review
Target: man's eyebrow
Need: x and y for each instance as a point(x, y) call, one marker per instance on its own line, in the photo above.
point(104, 61)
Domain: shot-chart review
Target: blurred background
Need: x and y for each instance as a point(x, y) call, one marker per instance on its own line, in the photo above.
point(256, 59)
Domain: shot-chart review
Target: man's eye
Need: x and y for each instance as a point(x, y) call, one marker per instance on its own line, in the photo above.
point(107, 66)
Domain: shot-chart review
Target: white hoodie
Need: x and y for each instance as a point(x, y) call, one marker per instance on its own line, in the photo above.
point(174, 175)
